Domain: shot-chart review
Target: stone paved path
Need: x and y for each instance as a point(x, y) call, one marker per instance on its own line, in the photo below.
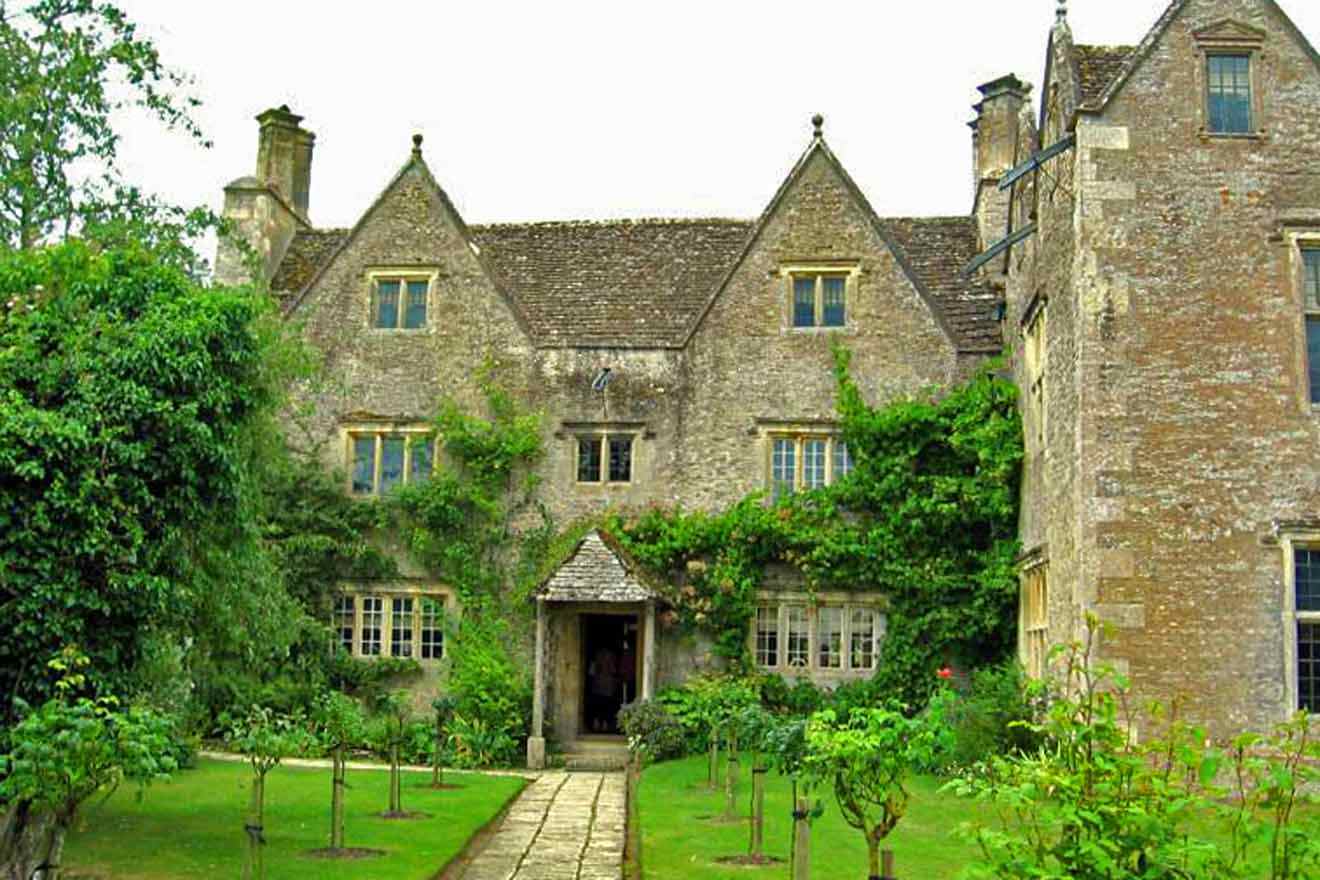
point(564, 826)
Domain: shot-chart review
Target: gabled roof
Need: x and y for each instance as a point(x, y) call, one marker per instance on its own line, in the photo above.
point(648, 283)
point(624, 284)
point(596, 571)
point(1097, 67)
point(955, 288)
point(1156, 33)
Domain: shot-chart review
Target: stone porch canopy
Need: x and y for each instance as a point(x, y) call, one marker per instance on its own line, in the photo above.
point(597, 571)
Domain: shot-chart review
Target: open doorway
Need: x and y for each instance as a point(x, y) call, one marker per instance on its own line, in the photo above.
point(609, 664)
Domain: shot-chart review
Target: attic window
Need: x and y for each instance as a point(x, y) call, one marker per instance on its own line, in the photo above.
point(818, 295)
point(400, 301)
point(1228, 91)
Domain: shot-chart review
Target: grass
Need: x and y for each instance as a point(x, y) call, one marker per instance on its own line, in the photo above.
point(192, 825)
point(677, 844)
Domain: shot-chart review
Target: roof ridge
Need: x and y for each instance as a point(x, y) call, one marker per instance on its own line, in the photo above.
point(624, 221)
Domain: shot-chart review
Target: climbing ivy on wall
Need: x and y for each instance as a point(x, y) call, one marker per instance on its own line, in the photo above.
point(928, 517)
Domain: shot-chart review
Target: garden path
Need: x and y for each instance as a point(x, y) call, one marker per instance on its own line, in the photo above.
point(564, 826)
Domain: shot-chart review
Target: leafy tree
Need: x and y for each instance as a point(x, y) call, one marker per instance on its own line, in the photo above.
point(340, 725)
point(867, 760)
point(66, 67)
point(755, 727)
point(62, 754)
point(265, 739)
point(130, 402)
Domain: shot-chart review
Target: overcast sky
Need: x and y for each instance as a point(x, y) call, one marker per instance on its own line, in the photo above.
point(568, 110)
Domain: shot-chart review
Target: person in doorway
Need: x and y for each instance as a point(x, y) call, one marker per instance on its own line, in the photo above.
point(604, 676)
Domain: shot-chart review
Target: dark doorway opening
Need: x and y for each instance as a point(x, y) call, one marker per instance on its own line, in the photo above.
point(609, 663)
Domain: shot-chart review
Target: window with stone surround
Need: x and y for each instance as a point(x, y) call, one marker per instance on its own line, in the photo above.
point(1229, 54)
point(818, 294)
point(1034, 358)
point(371, 623)
point(1311, 308)
point(605, 458)
point(803, 461)
point(382, 457)
point(833, 637)
point(1033, 610)
point(400, 300)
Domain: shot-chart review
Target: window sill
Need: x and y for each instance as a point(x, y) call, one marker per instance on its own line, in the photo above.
point(614, 484)
point(845, 328)
point(398, 331)
point(1207, 136)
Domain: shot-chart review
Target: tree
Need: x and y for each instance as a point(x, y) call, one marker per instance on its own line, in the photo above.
point(130, 400)
point(66, 67)
point(61, 755)
point(340, 726)
point(755, 726)
point(395, 711)
point(443, 707)
point(867, 760)
point(265, 739)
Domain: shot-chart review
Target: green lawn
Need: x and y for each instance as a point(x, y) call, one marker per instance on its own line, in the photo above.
point(192, 826)
point(677, 844)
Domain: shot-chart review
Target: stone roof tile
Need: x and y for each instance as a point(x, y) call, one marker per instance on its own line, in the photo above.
point(642, 283)
point(595, 572)
point(937, 249)
point(1097, 67)
point(630, 283)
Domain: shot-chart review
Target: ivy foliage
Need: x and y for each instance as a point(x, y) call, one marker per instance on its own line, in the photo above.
point(928, 517)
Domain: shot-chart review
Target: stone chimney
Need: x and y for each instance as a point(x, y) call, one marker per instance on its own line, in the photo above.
point(995, 150)
point(284, 156)
point(268, 208)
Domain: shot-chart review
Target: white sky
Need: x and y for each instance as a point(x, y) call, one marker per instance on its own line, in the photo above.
point(560, 110)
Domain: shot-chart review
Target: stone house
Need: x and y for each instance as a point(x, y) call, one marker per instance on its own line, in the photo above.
point(1161, 207)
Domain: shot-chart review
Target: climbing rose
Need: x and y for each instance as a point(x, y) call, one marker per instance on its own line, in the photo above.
point(945, 672)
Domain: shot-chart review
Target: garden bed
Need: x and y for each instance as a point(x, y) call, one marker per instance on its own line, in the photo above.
point(192, 825)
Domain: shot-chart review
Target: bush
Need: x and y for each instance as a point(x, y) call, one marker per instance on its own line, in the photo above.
point(799, 698)
point(492, 695)
point(991, 716)
point(651, 729)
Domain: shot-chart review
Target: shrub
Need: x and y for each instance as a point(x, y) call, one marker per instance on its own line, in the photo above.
point(491, 692)
point(991, 716)
point(652, 730)
point(799, 698)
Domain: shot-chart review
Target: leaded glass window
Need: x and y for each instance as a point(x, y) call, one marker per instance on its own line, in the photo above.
point(813, 464)
point(843, 463)
point(391, 462)
point(415, 317)
point(829, 638)
point(620, 458)
point(1306, 575)
point(798, 643)
point(382, 460)
point(1311, 277)
point(386, 313)
point(1308, 666)
point(804, 302)
point(432, 629)
point(401, 626)
point(767, 636)
point(588, 470)
point(345, 621)
point(1229, 93)
point(373, 625)
point(832, 309)
point(399, 303)
point(861, 639)
point(783, 466)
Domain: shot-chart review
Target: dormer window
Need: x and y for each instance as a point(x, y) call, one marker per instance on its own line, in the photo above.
point(400, 300)
point(1228, 93)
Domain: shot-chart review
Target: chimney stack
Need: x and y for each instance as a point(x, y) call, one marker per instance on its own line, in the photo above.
point(267, 209)
point(284, 156)
point(995, 150)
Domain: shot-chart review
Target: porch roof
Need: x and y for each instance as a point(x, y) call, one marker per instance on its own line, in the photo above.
point(595, 571)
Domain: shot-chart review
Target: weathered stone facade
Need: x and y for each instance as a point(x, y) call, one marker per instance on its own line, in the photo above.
point(1179, 437)
point(1155, 318)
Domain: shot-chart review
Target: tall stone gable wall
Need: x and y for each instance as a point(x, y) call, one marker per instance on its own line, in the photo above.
point(750, 366)
point(1194, 430)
